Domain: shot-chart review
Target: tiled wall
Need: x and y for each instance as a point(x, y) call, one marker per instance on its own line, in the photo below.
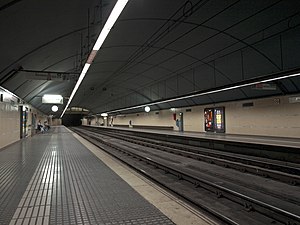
point(9, 124)
point(274, 116)
point(10, 121)
point(270, 117)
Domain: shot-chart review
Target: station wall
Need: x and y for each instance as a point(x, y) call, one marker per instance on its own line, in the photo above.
point(269, 117)
point(10, 119)
point(9, 124)
point(274, 116)
point(56, 122)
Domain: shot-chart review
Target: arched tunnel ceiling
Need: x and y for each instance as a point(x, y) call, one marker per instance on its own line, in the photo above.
point(158, 49)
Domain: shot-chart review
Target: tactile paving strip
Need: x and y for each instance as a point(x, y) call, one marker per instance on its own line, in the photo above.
point(17, 165)
point(34, 206)
point(86, 191)
point(72, 186)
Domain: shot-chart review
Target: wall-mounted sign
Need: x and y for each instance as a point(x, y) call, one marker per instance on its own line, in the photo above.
point(52, 99)
point(265, 86)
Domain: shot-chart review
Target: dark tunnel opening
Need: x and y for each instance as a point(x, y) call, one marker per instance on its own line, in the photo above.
point(69, 120)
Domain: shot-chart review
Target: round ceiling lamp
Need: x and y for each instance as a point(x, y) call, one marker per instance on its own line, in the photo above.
point(147, 109)
point(54, 108)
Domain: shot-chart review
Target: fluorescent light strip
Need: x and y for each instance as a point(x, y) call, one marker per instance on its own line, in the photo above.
point(92, 56)
point(82, 75)
point(206, 93)
point(85, 69)
point(114, 15)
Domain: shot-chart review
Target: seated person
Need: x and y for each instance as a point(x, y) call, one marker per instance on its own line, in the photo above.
point(40, 127)
point(46, 126)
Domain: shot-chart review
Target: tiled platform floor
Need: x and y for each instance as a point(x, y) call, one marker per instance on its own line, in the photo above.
point(53, 179)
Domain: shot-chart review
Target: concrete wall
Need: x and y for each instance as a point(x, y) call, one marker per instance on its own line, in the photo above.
point(84, 121)
point(95, 121)
point(268, 117)
point(164, 118)
point(55, 122)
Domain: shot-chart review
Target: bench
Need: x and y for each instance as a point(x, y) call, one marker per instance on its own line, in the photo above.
point(120, 125)
point(153, 127)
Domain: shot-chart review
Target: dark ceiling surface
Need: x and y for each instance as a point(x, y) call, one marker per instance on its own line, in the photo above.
point(157, 50)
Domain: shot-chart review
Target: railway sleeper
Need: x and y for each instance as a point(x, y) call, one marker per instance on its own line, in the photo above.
point(179, 176)
point(265, 209)
point(242, 169)
point(219, 194)
point(197, 184)
point(248, 207)
point(161, 147)
point(293, 182)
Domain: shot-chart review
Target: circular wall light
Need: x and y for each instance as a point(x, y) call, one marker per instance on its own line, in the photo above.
point(54, 108)
point(147, 109)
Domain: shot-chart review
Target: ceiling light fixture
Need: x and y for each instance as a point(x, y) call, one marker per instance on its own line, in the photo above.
point(114, 15)
point(54, 99)
point(54, 108)
point(208, 92)
point(147, 109)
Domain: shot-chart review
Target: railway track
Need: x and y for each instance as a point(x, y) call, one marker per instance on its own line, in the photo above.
point(219, 198)
point(274, 169)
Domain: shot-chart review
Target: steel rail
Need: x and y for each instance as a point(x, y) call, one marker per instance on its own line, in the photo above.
point(249, 203)
point(211, 211)
point(278, 172)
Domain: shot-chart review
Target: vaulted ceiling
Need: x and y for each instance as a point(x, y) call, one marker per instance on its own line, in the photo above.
point(157, 50)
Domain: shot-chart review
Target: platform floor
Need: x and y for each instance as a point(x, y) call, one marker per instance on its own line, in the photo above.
point(255, 139)
point(53, 178)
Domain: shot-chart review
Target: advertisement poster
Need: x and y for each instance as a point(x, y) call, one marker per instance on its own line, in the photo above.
point(209, 119)
point(214, 119)
point(219, 119)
